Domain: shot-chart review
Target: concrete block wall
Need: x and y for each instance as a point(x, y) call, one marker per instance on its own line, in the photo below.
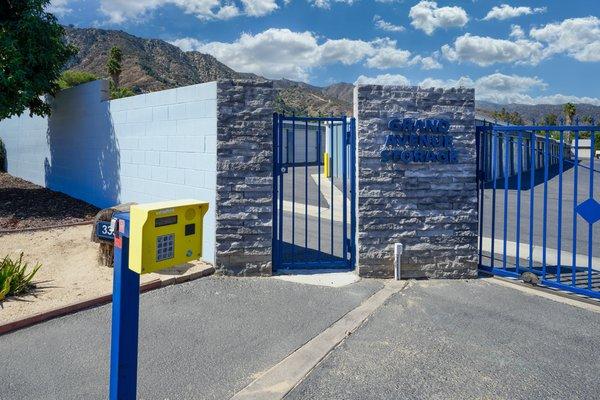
point(151, 147)
point(431, 208)
point(244, 177)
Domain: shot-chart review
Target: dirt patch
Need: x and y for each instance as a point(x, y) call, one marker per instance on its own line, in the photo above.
point(24, 205)
point(70, 272)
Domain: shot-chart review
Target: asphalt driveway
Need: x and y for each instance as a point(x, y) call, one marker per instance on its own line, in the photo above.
point(205, 339)
point(464, 340)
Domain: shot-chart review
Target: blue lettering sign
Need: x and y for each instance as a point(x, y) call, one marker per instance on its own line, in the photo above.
point(419, 140)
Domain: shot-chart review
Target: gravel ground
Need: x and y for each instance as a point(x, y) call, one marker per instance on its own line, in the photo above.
point(26, 205)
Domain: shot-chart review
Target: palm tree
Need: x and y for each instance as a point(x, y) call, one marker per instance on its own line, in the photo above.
point(113, 65)
point(569, 110)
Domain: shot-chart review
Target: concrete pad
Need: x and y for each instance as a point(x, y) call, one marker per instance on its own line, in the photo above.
point(330, 278)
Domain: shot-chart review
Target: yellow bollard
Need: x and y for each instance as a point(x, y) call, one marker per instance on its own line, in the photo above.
point(326, 165)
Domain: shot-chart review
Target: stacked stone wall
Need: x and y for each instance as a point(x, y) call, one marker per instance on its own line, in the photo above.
point(244, 177)
point(429, 207)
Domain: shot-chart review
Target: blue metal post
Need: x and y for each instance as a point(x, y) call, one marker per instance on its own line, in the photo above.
point(280, 172)
point(344, 188)
point(482, 175)
point(293, 164)
point(353, 192)
point(494, 173)
point(125, 318)
point(545, 216)
point(331, 169)
point(590, 226)
point(506, 172)
point(560, 194)
point(274, 244)
point(319, 155)
point(575, 178)
point(519, 187)
point(533, 144)
point(306, 187)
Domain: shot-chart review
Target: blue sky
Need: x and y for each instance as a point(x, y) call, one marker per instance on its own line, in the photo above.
point(545, 51)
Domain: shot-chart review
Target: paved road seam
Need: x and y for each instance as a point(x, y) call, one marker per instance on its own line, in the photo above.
point(280, 379)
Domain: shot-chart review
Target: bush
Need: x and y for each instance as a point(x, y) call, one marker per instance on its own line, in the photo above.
point(14, 278)
point(72, 78)
point(120, 92)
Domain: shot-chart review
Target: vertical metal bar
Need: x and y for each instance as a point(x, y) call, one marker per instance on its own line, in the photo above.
point(494, 166)
point(519, 188)
point(274, 246)
point(506, 171)
point(125, 322)
point(545, 216)
point(344, 188)
point(481, 178)
point(590, 226)
point(353, 211)
point(319, 155)
point(560, 195)
point(293, 260)
point(482, 175)
point(575, 178)
point(332, 169)
point(281, 189)
point(533, 145)
point(305, 187)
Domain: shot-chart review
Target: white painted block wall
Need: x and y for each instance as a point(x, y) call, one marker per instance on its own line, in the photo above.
point(151, 147)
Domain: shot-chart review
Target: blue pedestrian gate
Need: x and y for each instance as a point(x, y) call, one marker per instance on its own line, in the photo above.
point(314, 212)
point(538, 204)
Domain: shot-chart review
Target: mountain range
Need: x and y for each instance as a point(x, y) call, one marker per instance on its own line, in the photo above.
point(152, 64)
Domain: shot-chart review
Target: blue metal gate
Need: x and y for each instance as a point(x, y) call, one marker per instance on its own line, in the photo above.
point(538, 205)
point(314, 215)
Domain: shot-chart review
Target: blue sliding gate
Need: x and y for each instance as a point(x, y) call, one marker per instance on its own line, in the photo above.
point(538, 204)
point(314, 215)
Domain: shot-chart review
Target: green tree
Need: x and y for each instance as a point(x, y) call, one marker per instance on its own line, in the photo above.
point(72, 78)
point(32, 54)
point(569, 110)
point(114, 66)
point(551, 119)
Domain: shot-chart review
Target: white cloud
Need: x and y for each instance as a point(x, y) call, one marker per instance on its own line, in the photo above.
point(428, 63)
point(576, 37)
point(485, 51)
point(380, 23)
point(506, 11)
point(258, 8)
point(326, 4)
point(385, 79)
point(427, 16)
point(120, 11)
point(187, 44)
point(497, 88)
point(277, 53)
point(59, 7)
point(505, 89)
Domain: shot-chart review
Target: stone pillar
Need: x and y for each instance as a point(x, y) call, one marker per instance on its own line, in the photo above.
point(429, 207)
point(244, 177)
